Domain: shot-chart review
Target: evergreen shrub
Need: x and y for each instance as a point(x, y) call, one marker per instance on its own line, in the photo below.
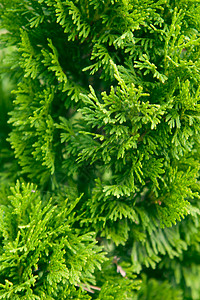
point(99, 190)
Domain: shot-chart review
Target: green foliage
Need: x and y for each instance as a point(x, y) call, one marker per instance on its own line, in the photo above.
point(105, 114)
point(41, 252)
point(153, 289)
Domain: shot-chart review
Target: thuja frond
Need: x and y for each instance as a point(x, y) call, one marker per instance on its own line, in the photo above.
point(39, 246)
point(105, 114)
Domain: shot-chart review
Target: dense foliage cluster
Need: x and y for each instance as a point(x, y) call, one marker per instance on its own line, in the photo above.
point(99, 165)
